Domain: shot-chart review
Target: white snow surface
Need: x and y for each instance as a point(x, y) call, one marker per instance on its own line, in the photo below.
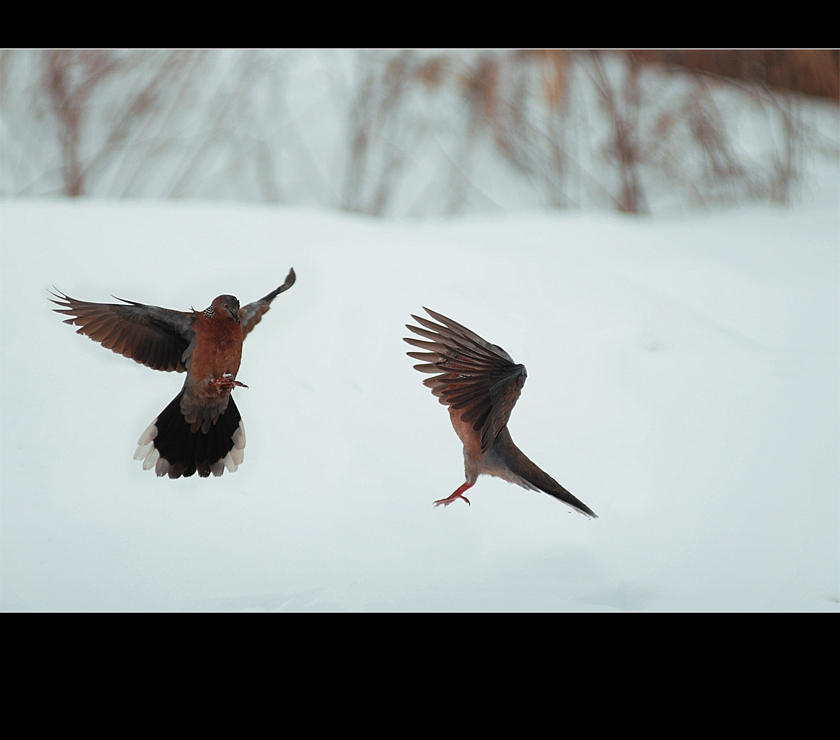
point(682, 381)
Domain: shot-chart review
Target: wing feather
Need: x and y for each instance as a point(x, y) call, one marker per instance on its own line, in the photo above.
point(251, 314)
point(159, 338)
point(475, 377)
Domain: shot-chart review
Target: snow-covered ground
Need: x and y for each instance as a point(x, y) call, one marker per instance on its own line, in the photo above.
point(682, 381)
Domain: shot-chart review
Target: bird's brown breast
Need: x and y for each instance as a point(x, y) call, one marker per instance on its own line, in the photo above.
point(468, 436)
point(218, 349)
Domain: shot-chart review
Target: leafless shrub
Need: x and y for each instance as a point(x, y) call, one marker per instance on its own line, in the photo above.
point(411, 132)
point(389, 117)
point(622, 106)
point(91, 104)
point(804, 71)
point(125, 123)
point(375, 117)
point(660, 136)
point(721, 93)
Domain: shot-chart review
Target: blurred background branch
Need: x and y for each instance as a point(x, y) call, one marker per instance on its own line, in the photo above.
point(419, 132)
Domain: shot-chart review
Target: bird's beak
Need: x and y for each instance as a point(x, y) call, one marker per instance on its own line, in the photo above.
point(234, 313)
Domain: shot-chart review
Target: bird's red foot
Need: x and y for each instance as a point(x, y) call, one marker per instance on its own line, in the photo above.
point(226, 383)
point(456, 495)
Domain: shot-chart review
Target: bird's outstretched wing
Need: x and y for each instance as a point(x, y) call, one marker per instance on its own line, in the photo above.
point(476, 376)
point(159, 338)
point(252, 314)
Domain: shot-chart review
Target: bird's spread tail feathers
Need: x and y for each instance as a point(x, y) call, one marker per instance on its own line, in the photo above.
point(170, 446)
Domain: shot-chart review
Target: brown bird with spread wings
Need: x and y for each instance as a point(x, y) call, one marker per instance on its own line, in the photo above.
point(201, 430)
point(480, 383)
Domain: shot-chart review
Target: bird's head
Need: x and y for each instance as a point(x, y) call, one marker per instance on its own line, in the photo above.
point(225, 306)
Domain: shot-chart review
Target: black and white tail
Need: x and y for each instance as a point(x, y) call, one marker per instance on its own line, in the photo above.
point(171, 447)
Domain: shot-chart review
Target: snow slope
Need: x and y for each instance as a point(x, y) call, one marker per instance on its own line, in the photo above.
point(682, 381)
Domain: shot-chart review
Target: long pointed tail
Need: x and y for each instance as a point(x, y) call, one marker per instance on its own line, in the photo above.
point(565, 496)
point(170, 447)
point(532, 476)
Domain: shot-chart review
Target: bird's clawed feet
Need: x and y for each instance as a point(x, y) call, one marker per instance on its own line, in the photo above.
point(226, 383)
point(455, 496)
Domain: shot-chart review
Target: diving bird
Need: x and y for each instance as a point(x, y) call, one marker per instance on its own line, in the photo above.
point(480, 383)
point(201, 430)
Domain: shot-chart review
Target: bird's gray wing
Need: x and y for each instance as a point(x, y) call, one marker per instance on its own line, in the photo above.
point(159, 338)
point(251, 314)
point(477, 377)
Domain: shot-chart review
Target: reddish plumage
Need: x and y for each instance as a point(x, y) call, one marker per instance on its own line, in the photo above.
point(480, 383)
point(201, 430)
